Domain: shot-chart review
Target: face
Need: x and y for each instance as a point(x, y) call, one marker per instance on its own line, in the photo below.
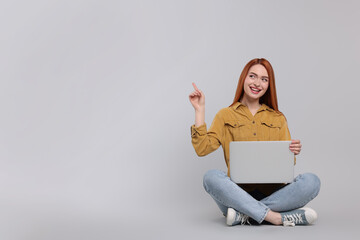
point(256, 82)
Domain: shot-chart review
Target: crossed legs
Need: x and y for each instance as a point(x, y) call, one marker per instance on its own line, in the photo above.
point(227, 194)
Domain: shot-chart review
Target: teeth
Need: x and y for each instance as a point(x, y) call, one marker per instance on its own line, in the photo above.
point(256, 90)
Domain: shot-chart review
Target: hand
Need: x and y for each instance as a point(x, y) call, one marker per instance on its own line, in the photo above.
point(197, 99)
point(295, 146)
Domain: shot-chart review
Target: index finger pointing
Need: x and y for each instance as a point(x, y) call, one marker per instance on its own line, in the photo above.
point(194, 85)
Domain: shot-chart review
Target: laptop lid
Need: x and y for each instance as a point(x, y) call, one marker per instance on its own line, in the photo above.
point(261, 162)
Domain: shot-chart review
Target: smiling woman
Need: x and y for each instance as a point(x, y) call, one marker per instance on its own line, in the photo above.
point(253, 70)
point(253, 116)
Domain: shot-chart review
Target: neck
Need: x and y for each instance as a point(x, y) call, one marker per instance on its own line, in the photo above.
point(253, 104)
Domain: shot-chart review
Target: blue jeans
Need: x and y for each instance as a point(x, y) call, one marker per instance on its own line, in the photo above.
point(228, 194)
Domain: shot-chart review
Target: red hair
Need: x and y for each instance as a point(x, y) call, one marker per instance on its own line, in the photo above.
point(269, 98)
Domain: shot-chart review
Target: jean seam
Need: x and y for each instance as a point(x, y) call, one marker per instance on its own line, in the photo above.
point(266, 212)
point(303, 203)
point(311, 198)
point(213, 195)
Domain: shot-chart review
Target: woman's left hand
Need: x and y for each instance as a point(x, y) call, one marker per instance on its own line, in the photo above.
point(295, 146)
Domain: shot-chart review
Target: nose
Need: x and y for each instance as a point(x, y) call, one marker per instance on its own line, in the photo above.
point(257, 82)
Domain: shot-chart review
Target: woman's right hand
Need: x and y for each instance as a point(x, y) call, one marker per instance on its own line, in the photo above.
point(197, 99)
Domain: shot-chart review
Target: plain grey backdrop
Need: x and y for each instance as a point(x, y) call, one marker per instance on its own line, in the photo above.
point(95, 117)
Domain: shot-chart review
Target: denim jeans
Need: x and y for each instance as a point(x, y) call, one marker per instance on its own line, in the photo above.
point(226, 193)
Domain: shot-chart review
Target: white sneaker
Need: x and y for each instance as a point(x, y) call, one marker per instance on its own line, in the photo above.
point(234, 217)
point(301, 216)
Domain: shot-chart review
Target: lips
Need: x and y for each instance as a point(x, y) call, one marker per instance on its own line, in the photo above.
point(255, 90)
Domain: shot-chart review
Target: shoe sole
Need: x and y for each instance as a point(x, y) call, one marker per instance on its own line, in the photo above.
point(230, 217)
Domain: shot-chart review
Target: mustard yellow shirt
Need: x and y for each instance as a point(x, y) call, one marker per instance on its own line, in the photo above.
point(236, 123)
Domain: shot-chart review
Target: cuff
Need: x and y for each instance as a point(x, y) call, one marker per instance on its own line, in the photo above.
point(201, 130)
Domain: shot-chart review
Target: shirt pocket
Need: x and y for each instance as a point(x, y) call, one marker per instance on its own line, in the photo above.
point(270, 130)
point(235, 130)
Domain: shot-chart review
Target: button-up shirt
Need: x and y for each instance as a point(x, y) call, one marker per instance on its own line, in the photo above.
point(237, 123)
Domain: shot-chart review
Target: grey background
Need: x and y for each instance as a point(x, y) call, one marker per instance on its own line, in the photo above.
point(95, 117)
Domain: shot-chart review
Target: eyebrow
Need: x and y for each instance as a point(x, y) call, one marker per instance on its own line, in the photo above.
point(256, 74)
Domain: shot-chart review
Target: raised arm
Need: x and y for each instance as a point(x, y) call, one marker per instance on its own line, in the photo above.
point(197, 99)
point(204, 142)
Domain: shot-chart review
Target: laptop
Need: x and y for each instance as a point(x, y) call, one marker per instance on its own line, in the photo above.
point(261, 162)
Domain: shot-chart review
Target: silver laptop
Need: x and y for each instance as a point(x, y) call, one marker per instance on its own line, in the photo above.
point(261, 162)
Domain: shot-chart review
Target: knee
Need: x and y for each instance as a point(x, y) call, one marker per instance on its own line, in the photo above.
point(211, 178)
point(311, 183)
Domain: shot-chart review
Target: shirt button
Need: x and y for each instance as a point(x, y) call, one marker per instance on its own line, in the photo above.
point(253, 121)
point(254, 134)
point(271, 125)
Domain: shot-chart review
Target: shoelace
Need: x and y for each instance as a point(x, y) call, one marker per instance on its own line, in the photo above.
point(242, 218)
point(292, 219)
point(288, 224)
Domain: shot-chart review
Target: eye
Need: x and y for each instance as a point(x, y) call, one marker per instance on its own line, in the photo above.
point(251, 75)
point(265, 79)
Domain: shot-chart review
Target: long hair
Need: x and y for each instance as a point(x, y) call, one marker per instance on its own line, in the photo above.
point(269, 98)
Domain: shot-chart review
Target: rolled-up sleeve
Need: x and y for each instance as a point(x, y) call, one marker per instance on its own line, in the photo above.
point(205, 142)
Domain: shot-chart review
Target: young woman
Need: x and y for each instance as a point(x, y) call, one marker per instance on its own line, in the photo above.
point(253, 116)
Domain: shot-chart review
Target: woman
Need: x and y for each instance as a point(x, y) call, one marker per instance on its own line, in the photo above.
point(253, 116)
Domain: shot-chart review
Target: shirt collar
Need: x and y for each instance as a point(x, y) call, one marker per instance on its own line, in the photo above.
point(263, 107)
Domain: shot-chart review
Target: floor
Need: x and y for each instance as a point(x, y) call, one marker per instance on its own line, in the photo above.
point(200, 222)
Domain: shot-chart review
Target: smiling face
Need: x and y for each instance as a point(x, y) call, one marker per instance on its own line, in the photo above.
point(256, 83)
